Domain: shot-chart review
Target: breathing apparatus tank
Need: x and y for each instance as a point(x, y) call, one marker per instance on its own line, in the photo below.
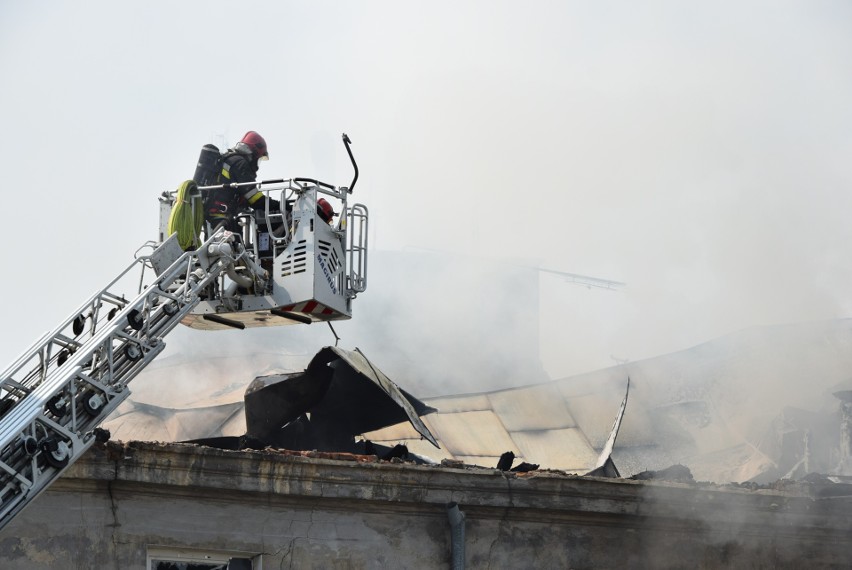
point(207, 170)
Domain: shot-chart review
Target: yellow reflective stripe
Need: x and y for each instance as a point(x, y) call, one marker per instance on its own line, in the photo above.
point(226, 170)
point(253, 196)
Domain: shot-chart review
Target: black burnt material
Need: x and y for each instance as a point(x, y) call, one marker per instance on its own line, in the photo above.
point(339, 396)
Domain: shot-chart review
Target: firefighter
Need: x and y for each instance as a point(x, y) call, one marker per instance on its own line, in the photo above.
point(238, 164)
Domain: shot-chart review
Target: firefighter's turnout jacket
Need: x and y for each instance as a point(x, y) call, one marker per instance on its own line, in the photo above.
point(223, 203)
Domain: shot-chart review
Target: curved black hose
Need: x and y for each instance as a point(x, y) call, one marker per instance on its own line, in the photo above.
point(347, 142)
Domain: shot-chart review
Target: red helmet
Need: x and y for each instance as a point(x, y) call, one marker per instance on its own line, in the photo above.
point(256, 143)
point(325, 210)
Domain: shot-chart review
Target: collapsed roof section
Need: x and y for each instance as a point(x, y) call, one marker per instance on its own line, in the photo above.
point(723, 409)
point(555, 425)
point(340, 395)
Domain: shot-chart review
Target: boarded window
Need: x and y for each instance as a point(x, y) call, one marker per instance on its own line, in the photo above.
point(191, 559)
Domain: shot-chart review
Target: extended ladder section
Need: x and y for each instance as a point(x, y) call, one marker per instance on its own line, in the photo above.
point(54, 396)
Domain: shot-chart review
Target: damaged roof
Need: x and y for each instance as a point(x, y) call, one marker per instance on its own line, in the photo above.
point(736, 409)
point(535, 423)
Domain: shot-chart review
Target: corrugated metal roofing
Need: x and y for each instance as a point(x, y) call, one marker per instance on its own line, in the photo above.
point(143, 422)
point(709, 407)
point(535, 408)
point(532, 422)
point(477, 433)
point(557, 448)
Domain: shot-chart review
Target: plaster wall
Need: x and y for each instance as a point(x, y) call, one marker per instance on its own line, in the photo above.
point(121, 502)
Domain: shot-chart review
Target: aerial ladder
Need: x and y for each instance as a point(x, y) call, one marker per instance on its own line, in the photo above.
point(283, 267)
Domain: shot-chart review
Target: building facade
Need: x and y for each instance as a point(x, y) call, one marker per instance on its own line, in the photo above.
point(185, 507)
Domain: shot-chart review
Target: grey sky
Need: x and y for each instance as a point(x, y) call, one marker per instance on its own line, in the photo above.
point(697, 151)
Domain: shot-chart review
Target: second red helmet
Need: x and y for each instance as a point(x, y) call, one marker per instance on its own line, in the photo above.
point(325, 210)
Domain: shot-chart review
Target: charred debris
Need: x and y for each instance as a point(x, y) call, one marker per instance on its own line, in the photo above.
point(322, 411)
point(340, 395)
